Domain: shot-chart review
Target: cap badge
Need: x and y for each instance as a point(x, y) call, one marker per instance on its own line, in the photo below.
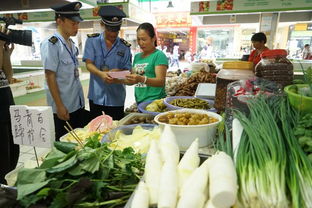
point(115, 19)
point(77, 6)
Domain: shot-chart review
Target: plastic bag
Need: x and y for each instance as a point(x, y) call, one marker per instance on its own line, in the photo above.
point(239, 92)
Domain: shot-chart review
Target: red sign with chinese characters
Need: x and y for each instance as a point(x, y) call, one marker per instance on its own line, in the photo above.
point(176, 19)
point(193, 35)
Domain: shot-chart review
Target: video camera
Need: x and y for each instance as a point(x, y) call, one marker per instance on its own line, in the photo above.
point(22, 37)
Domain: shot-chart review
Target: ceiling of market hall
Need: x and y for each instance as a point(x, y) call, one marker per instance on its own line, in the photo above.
point(152, 5)
point(11, 5)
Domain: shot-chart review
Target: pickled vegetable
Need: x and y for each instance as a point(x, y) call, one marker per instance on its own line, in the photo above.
point(220, 100)
point(195, 103)
point(141, 120)
point(156, 106)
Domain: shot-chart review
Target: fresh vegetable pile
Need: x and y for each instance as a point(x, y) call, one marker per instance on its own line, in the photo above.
point(307, 79)
point(173, 82)
point(170, 183)
point(272, 169)
point(188, 88)
point(303, 132)
point(139, 139)
point(261, 159)
point(93, 176)
point(307, 75)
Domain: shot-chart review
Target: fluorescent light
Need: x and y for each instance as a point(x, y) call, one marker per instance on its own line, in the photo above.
point(22, 11)
point(84, 6)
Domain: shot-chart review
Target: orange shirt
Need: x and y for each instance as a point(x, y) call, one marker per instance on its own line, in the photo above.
point(254, 57)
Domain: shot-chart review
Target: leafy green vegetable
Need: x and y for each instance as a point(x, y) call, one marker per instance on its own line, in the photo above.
point(93, 142)
point(90, 177)
point(27, 176)
point(299, 169)
point(59, 201)
point(303, 132)
point(64, 165)
point(29, 181)
point(92, 164)
point(30, 200)
point(52, 158)
point(44, 192)
point(65, 147)
point(307, 76)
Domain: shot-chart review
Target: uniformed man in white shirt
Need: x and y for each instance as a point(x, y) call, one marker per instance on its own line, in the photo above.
point(59, 57)
point(103, 53)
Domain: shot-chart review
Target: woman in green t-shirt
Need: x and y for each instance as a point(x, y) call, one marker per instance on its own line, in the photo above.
point(149, 67)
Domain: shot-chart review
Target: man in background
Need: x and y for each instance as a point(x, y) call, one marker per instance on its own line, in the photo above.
point(306, 53)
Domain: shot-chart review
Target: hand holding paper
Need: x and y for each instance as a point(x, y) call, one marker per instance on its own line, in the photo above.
point(119, 74)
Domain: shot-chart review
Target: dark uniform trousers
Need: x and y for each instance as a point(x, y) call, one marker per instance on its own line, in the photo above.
point(78, 119)
point(116, 112)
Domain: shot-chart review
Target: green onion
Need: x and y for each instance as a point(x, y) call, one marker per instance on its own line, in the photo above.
point(261, 157)
point(270, 162)
point(300, 168)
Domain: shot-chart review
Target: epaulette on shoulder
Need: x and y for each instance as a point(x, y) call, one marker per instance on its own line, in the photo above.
point(53, 39)
point(125, 42)
point(93, 35)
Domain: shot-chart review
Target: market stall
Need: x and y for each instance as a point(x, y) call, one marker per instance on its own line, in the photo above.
point(181, 153)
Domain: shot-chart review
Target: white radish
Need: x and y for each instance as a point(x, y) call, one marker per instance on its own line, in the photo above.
point(210, 205)
point(198, 180)
point(192, 199)
point(206, 192)
point(140, 199)
point(168, 189)
point(223, 181)
point(168, 145)
point(195, 190)
point(153, 166)
point(188, 163)
point(237, 131)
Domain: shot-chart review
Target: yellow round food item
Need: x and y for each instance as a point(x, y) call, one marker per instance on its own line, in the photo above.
point(187, 119)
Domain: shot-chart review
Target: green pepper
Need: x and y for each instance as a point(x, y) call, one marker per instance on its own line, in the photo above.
point(65, 147)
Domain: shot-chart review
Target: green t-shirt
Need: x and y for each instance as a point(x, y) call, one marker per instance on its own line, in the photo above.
point(146, 67)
